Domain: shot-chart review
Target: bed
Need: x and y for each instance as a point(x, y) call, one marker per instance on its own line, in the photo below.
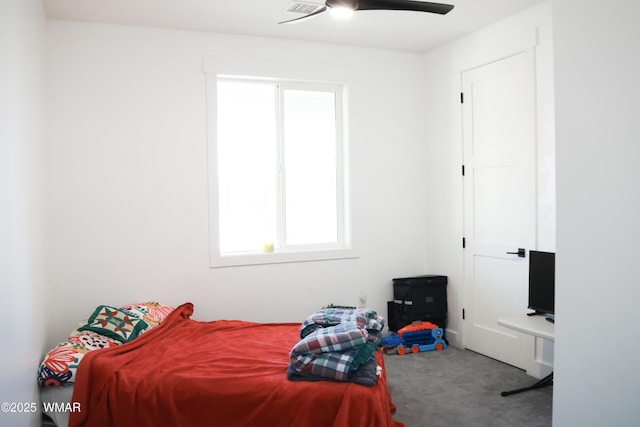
point(222, 373)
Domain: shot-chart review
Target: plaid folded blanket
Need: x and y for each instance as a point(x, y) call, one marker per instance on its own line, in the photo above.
point(364, 318)
point(335, 342)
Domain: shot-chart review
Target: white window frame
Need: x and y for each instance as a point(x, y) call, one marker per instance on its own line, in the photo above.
point(292, 253)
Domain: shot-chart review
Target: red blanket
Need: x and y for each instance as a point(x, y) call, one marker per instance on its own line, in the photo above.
point(222, 373)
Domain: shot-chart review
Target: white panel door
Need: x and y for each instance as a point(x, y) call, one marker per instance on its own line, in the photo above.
point(499, 203)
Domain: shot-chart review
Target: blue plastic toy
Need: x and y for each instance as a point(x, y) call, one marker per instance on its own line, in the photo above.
point(417, 337)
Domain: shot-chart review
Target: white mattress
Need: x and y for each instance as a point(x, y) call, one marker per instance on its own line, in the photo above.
point(61, 395)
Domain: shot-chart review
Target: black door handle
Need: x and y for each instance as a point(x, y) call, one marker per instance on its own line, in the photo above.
point(520, 253)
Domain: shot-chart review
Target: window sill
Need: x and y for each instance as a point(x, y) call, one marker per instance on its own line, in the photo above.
point(234, 260)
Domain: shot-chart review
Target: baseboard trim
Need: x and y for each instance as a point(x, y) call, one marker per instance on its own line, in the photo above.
point(453, 339)
point(539, 370)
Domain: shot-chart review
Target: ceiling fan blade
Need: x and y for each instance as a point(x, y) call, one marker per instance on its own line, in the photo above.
point(303, 18)
point(416, 6)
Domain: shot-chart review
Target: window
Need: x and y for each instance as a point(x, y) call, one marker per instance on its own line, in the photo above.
point(281, 181)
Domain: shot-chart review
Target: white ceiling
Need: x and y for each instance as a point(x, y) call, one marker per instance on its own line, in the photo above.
point(400, 30)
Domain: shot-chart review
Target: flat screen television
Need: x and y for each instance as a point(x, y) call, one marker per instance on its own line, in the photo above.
point(542, 272)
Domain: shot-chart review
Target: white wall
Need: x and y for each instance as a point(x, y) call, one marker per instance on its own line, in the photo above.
point(598, 147)
point(22, 47)
point(128, 177)
point(443, 68)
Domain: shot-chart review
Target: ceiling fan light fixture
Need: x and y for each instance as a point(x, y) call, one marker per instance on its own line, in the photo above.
point(345, 8)
point(341, 12)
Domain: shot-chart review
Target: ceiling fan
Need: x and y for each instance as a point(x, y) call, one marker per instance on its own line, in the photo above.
point(355, 5)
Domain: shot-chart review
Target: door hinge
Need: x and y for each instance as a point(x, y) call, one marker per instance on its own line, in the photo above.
point(463, 314)
point(461, 98)
point(464, 242)
point(462, 170)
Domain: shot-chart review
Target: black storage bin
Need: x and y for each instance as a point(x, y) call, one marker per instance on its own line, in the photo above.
point(418, 298)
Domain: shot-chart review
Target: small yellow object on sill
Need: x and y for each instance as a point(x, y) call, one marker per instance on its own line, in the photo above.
point(268, 247)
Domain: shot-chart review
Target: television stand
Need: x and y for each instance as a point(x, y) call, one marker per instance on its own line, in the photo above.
point(531, 326)
point(536, 313)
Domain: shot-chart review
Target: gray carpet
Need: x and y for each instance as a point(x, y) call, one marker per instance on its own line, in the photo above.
point(458, 388)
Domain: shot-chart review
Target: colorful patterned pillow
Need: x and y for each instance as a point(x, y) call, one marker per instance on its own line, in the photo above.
point(151, 312)
point(114, 323)
point(107, 327)
point(60, 364)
